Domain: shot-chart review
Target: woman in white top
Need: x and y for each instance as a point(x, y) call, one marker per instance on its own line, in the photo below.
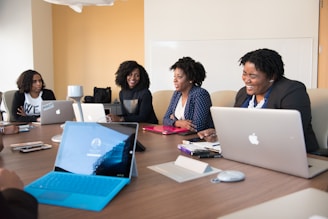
point(27, 100)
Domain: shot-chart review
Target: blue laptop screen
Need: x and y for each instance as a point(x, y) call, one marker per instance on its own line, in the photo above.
point(97, 148)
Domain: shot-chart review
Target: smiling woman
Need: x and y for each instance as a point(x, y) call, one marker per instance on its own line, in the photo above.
point(135, 97)
point(267, 87)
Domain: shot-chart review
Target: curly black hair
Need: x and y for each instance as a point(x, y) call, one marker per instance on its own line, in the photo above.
point(267, 61)
point(25, 81)
point(125, 69)
point(194, 71)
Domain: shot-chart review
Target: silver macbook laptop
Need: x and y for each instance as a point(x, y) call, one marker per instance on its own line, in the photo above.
point(56, 111)
point(94, 162)
point(92, 112)
point(268, 138)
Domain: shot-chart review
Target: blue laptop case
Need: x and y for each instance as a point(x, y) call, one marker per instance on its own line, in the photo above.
point(94, 162)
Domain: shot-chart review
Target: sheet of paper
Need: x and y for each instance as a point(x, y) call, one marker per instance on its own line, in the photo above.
point(214, 146)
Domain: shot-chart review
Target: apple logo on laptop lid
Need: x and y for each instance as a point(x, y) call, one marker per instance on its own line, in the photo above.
point(253, 139)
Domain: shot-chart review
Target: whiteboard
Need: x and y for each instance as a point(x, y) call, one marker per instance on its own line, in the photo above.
point(221, 60)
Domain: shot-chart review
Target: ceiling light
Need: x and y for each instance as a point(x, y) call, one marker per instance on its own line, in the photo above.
point(77, 5)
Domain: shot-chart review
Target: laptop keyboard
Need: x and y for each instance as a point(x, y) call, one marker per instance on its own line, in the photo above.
point(82, 184)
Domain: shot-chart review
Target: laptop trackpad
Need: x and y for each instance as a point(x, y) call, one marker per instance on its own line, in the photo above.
point(60, 196)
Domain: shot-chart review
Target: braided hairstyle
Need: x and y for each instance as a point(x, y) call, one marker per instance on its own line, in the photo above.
point(267, 61)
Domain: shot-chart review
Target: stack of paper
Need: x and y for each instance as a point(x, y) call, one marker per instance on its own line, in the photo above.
point(201, 149)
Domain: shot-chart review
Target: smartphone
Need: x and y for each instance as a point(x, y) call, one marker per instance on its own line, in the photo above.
point(187, 133)
point(26, 145)
point(197, 139)
point(43, 147)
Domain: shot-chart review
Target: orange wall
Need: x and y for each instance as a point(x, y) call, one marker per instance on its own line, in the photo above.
point(323, 43)
point(89, 46)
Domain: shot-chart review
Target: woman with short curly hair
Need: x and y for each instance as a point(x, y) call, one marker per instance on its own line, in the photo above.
point(190, 104)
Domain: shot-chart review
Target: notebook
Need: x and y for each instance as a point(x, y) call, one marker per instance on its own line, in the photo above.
point(305, 204)
point(92, 112)
point(268, 138)
point(94, 162)
point(165, 130)
point(56, 111)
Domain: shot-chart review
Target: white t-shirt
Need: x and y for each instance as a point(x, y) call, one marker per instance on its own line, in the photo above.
point(32, 106)
point(179, 110)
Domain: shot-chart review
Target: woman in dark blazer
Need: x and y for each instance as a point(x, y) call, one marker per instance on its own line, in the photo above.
point(190, 104)
point(267, 87)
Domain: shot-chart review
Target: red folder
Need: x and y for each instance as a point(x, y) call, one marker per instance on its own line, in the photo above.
point(165, 130)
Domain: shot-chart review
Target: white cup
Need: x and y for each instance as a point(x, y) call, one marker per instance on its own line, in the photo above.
point(74, 91)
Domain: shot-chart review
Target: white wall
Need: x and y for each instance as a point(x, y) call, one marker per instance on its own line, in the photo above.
point(15, 41)
point(25, 40)
point(190, 25)
point(218, 32)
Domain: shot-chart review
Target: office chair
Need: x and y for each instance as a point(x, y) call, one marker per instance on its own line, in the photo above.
point(7, 98)
point(161, 101)
point(319, 109)
point(223, 98)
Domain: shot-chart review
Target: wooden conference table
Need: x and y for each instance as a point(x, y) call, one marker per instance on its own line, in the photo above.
point(152, 195)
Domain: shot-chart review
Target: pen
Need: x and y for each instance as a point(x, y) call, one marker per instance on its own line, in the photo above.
point(213, 150)
point(183, 149)
point(210, 156)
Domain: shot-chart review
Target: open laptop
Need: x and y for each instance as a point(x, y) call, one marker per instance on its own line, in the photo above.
point(268, 138)
point(93, 164)
point(56, 111)
point(92, 112)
